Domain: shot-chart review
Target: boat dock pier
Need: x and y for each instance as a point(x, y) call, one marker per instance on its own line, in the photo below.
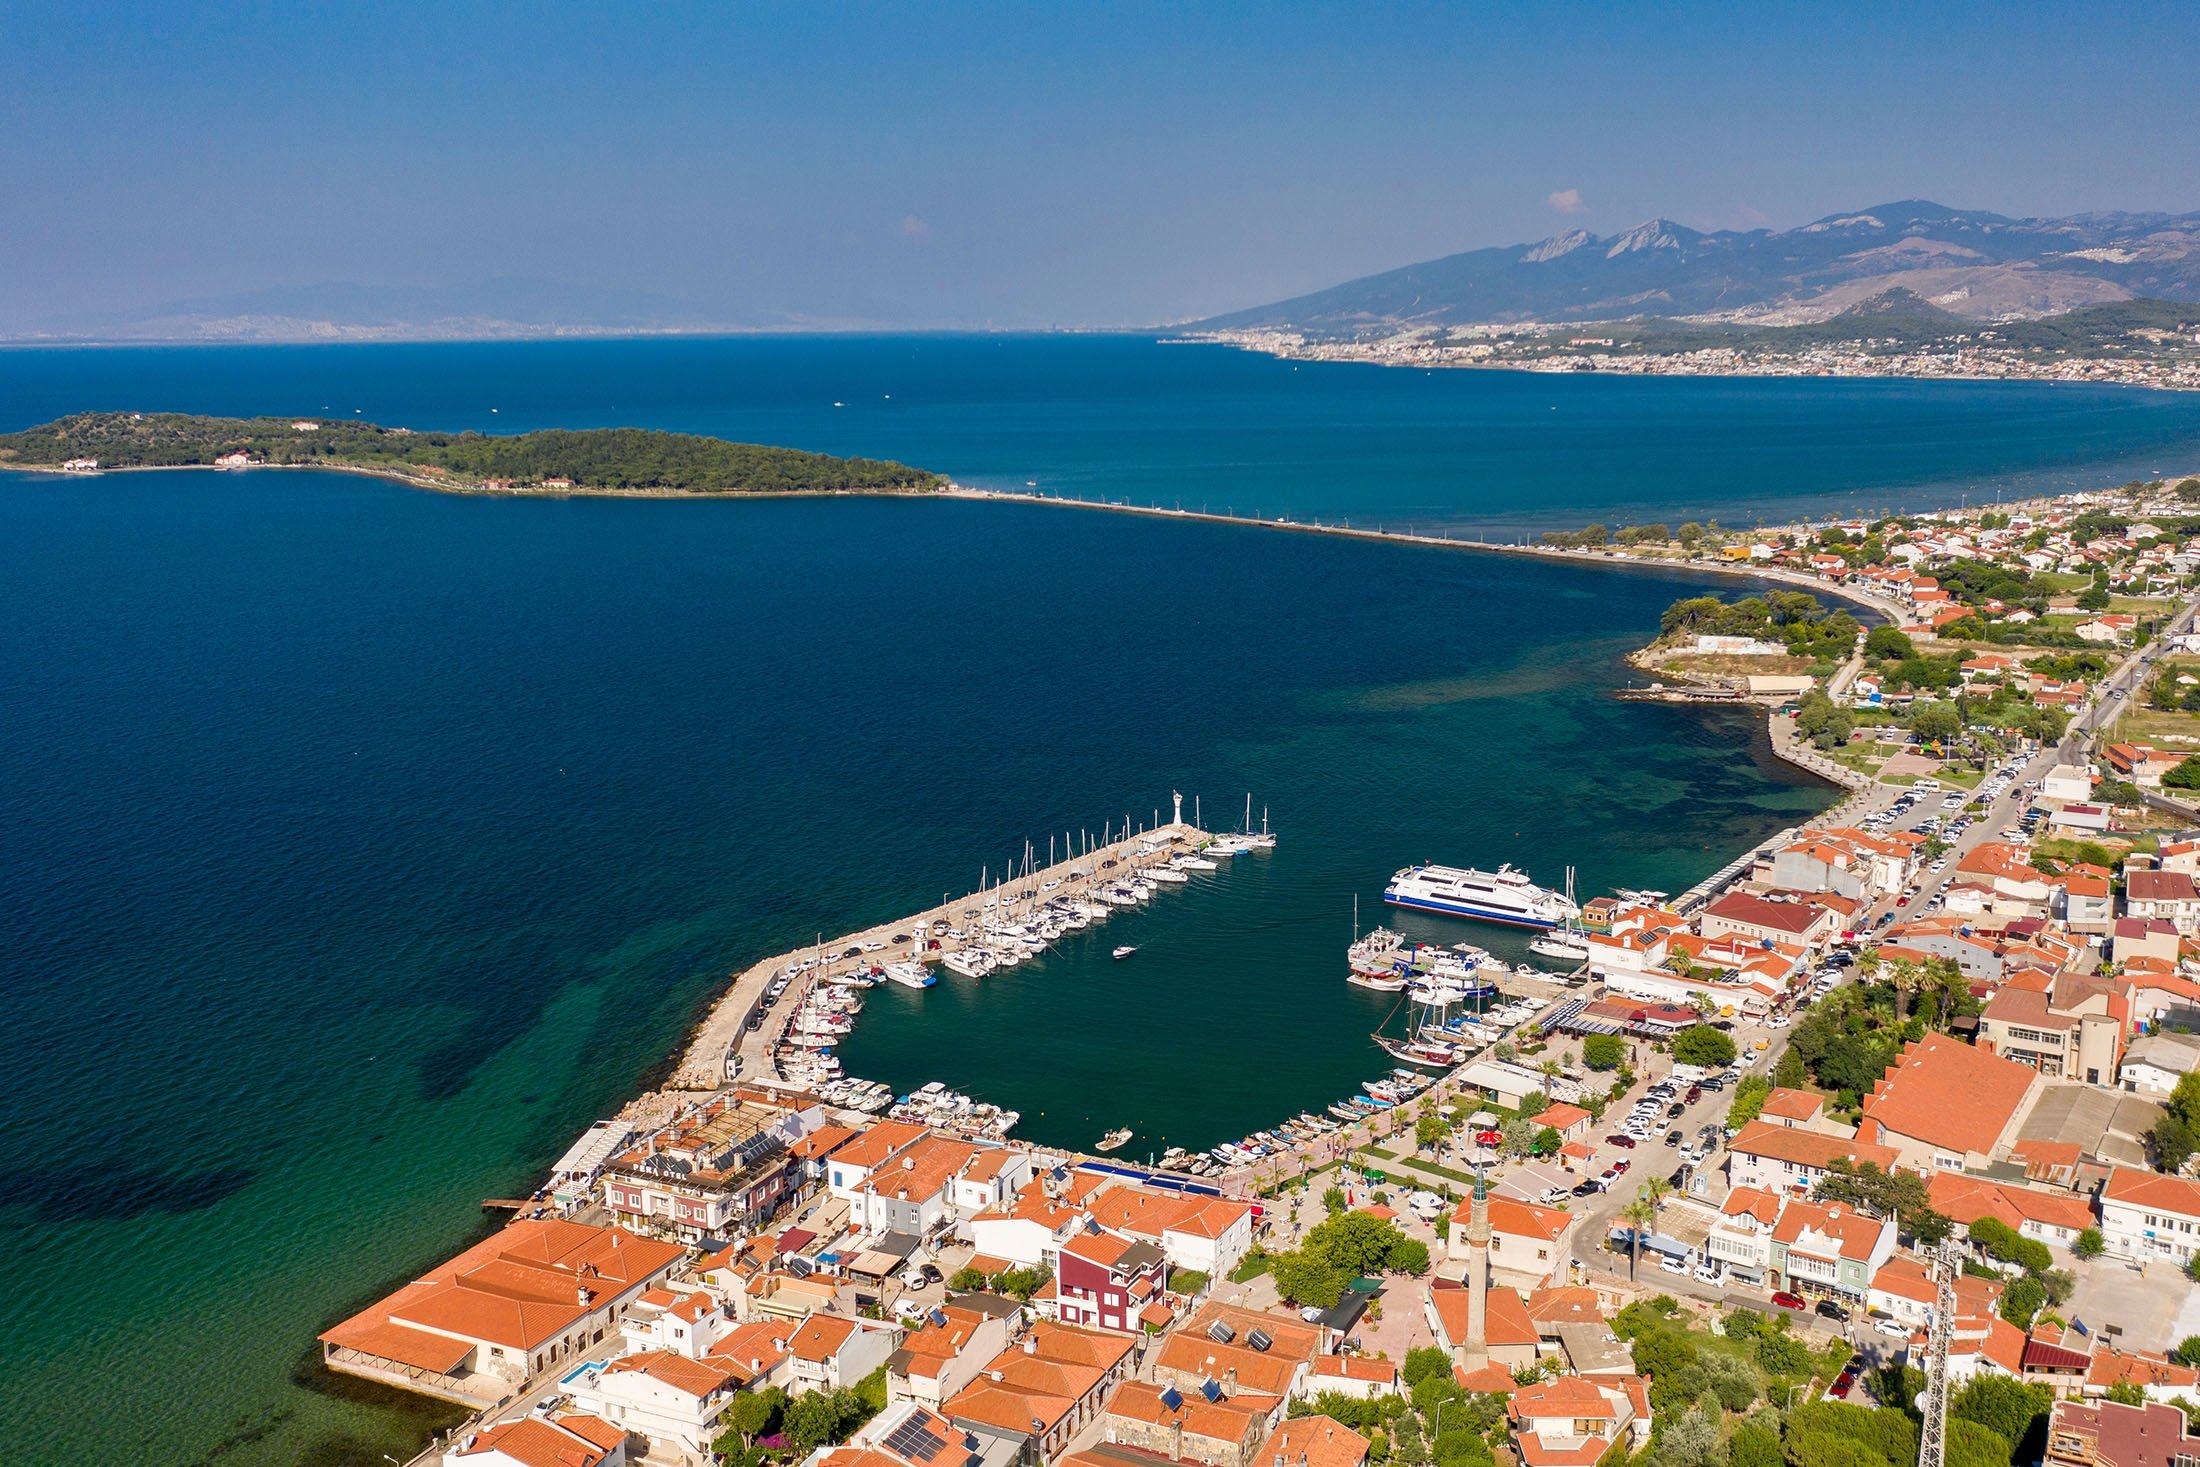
point(724, 1046)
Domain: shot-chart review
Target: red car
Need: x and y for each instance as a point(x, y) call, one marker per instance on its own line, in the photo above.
point(1620, 1166)
point(1789, 1301)
point(1488, 1138)
point(1628, 1142)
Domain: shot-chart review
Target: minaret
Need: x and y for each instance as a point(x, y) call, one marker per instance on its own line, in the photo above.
point(1476, 1347)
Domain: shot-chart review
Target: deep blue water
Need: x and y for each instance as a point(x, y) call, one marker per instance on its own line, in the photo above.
point(363, 844)
point(1117, 417)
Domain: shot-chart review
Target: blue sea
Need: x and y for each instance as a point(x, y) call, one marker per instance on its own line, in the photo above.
point(363, 844)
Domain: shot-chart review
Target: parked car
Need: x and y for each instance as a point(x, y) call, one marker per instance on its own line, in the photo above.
point(1707, 1273)
point(1673, 1138)
point(1892, 1328)
point(1626, 1143)
point(1678, 1179)
point(1827, 1309)
point(1672, 1265)
point(1619, 1168)
point(1789, 1301)
point(1587, 1189)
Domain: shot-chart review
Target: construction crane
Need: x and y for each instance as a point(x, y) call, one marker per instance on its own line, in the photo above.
point(1946, 1263)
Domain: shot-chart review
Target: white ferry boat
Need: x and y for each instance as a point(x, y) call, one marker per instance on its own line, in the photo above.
point(1505, 895)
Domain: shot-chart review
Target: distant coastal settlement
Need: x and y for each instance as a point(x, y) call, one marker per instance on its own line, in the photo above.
point(636, 461)
point(2135, 343)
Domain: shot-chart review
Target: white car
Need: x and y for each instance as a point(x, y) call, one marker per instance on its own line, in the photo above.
point(1672, 1265)
point(1892, 1328)
point(1707, 1273)
point(1777, 1021)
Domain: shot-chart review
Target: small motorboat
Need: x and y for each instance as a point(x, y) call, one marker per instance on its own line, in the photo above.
point(1125, 951)
point(1114, 1139)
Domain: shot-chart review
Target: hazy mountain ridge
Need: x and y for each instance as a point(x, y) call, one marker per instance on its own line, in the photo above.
point(343, 311)
point(1972, 264)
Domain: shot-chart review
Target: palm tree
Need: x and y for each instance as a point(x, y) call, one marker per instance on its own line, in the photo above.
point(1654, 1189)
point(1640, 1214)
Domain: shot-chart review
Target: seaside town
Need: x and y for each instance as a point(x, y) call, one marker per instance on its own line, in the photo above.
point(2158, 359)
point(1876, 1146)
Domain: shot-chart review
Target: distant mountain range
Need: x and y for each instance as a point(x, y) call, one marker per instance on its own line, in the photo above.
point(335, 311)
point(1973, 265)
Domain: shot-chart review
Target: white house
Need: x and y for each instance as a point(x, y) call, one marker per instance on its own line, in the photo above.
point(831, 1352)
point(2156, 1062)
point(678, 1403)
point(2147, 1216)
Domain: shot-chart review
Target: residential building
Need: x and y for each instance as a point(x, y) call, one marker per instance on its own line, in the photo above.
point(1362, 1377)
point(2107, 1434)
point(2052, 1217)
point(1828, 1248)
point(1208, 1235)
point(830, 1352)
point(1312, 1441)
point(946, 1348)
point(1784, 1159)
point(1575, 1421)
point(2171, 896)
point(1043, 1390)
point(2154, 1063)
point(1219, 1431)
point(1028, 1231)
point(1105, 1280)
point(2146, 1216)
point(677, 1403)
point(1216, 1346)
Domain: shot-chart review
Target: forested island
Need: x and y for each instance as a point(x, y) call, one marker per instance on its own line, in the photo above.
point(553, 460)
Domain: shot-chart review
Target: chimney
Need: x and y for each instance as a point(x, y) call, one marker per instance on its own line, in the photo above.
point(1031, 1345)
point(585, 1295)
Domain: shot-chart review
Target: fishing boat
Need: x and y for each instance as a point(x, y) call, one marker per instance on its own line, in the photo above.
point(1114, 1139)
point(1505, 895)
point(1125, 951)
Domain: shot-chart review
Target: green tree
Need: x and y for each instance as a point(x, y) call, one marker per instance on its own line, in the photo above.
point(1972, 1445)
point(2093, 598)
point(1935, 721)
point(1547, 1141)
point(1897, 1194)
point(2025, 1298)
point(1752, 1445)
point(2185, 776)
point(2006, 1407)
point(1703, 1045)
point(1429, 1130)
point(2089, 1244)
point(1691, 1439)
point(1407, 1255)
point(753, 1413)
point(1639, 1213)
point(1603, 1051)
point(1888, 644)
point(2127, 1392)
point(1749, 1101)
point(1334, 1201)
point(817, 1417)
point(1423, 1362)
point(1783, 1354)
point(1307, 1280)
point(1353, 1242)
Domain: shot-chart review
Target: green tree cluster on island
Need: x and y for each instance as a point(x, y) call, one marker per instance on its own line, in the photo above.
point(1795, 618)
point(594, 458)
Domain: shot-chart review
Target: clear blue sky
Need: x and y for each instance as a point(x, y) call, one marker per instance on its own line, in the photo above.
point(1019, 165)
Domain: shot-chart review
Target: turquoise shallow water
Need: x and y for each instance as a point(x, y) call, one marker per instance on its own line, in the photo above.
point(364, 844)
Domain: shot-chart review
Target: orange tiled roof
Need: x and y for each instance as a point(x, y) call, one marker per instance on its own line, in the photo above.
point(1942, 1091)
